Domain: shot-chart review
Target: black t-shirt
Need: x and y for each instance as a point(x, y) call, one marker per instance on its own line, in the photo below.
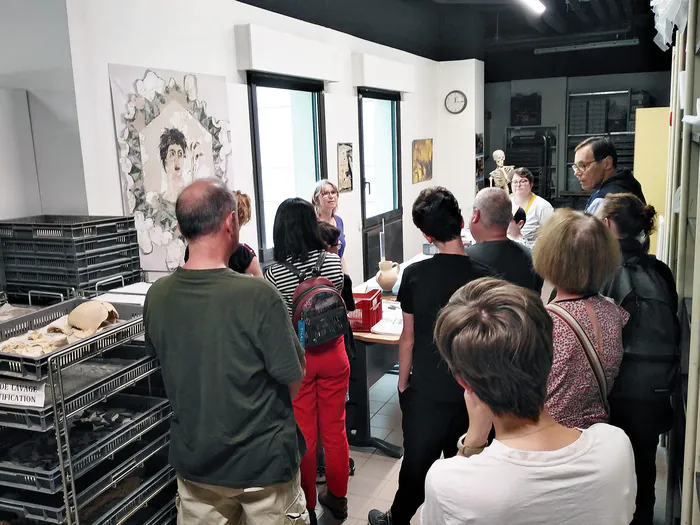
point(239, 261)
point(426, 287)
point(511, 261)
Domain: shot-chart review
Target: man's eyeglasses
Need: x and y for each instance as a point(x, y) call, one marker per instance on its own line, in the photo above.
point(582, 166)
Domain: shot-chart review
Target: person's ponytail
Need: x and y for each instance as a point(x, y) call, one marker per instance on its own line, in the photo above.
point(633, 218)
point(647, 218)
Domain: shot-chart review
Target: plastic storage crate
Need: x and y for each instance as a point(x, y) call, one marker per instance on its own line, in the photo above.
point(37, 368)
point(69, 247)
point(52, 509)
point(153, 411)
point(20, 292)
point(78, 278)
point(84, 385)
point(63, 226)
point(368, 310)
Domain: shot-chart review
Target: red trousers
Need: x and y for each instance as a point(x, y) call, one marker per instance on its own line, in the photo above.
point(320, 404)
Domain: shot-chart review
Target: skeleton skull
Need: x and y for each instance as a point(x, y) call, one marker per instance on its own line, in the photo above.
point(499, 157)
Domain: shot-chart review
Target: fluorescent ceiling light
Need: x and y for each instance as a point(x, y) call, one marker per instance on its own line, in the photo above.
point(585, 47)
point(535, 5)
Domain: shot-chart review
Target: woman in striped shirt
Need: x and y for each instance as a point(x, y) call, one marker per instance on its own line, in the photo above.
point(321, 399)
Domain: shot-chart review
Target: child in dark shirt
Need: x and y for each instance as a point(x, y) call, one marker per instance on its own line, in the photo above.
point(331, 235)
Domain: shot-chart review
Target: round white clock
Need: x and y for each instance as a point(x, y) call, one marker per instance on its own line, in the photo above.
point(455, 102)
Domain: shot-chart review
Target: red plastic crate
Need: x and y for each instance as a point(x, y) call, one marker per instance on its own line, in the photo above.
point(368, 310)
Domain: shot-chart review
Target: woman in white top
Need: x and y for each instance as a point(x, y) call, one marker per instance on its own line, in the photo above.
point(537, 209)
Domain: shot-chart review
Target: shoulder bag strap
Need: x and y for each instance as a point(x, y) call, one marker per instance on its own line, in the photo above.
point(591, 354)
point(319, 263)
point(294, 270)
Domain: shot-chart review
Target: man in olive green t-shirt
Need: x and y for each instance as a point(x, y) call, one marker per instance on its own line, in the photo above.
point(231, 365)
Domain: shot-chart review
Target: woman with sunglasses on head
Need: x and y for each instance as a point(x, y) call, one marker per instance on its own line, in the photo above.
point(325, 201)
point(537, 209)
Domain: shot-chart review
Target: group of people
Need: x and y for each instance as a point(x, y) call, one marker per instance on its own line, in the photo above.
point(542, 414)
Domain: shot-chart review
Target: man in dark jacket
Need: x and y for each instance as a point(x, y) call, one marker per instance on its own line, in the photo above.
point(595, 166)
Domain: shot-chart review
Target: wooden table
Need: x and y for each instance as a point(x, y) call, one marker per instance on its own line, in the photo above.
point(385, 348)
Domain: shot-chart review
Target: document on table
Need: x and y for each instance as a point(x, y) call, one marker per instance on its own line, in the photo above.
point(392, 319)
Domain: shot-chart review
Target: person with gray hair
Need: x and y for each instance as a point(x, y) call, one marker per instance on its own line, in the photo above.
point(231, 365)
point(491, 216)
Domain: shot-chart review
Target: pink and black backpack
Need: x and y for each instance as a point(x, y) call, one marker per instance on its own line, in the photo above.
point(318, 310)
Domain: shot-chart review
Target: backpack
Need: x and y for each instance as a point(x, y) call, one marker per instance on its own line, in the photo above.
point(650, 366)
point(318, 310)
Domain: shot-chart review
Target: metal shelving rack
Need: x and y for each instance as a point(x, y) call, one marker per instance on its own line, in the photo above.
point(61, 371)
point(542, 158)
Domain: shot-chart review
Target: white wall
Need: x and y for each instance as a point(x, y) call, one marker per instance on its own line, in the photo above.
point(20, 187)
point(36, 57)
point(554, 99)
point(199, 38)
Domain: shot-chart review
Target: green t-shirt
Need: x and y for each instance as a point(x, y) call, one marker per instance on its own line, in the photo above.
point(228, 353)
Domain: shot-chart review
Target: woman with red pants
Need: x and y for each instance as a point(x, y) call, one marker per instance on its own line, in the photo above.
point(320, 402)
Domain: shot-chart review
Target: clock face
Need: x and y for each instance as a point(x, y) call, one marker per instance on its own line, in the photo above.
point(455, 102)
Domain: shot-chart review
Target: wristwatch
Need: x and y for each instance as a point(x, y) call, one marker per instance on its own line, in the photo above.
point(468, 451)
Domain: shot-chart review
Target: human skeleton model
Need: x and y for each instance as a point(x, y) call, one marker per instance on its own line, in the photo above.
point(502, 175)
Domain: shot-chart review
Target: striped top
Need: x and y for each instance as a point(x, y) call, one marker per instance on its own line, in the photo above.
point(286, 282)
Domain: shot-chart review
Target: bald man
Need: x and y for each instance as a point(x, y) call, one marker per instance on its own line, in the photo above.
point(231, 365)
point(491, 217)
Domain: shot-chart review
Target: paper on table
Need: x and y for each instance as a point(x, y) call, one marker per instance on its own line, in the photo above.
point(392, 320)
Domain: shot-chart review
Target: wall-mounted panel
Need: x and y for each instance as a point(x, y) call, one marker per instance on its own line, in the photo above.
point(380, 73)
point(259, 48)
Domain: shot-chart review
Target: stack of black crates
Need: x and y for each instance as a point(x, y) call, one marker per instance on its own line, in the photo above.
point(65, 255)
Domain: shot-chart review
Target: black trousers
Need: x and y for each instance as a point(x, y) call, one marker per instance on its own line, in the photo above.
point(643, 422)
point(430, 428)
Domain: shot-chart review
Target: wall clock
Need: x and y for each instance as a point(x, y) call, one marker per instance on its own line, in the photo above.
point(456, 102)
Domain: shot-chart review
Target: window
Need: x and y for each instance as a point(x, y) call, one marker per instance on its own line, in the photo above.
point(288, 137)
point(379, 153)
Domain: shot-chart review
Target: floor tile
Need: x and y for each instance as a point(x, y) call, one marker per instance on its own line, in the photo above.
point(376, 406)
point(377, 468)
point(389, 489)
point(357, 506)
point(379, 433)
point(380, 395)
point(389, 409)
point(381, 421)
point(360, 485)
point(396, 437)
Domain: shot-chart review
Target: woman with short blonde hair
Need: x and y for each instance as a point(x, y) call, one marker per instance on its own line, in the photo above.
point(325, 201)
point(578, 254)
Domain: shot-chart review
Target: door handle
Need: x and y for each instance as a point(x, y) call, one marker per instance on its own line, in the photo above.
point(369, 190)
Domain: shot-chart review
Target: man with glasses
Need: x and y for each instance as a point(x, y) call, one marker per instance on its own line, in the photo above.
point(595, 166)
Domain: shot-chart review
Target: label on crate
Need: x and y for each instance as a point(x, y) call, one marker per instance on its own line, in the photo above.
point(22, 393)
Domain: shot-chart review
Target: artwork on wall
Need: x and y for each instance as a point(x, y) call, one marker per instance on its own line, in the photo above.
point(344, 167)
point(479, 144)
point(172, 129)
point(479, 174)
point(422, 160)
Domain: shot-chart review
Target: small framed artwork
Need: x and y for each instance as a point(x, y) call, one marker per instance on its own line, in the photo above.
point(344, 167)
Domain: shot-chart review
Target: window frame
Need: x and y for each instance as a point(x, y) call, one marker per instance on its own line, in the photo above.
point(393, 96)
point(257, 79)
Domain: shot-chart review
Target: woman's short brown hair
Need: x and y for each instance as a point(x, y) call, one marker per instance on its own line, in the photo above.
point(497, 337)
point(576, 252)
point(243, 208)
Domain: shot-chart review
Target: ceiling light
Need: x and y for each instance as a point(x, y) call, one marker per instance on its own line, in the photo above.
point(535, 5)
point(586, 47)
